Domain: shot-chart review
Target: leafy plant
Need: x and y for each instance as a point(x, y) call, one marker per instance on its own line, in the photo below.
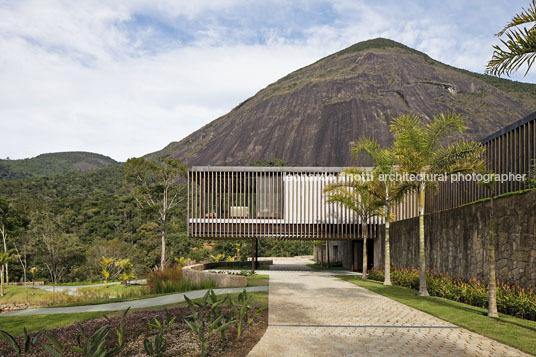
point(94, 345)
point(180, 261)
point(157, 346)
point(89, 346)
point(29, 342)
point(218, 257)
point(154, 348)
point(206, 319)
point(120, 332)
point(242, 310)
point(511, 300)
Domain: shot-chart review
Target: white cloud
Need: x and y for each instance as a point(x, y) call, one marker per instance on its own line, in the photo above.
point(75, 78)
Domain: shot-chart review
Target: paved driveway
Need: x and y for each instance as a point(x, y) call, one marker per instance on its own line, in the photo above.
point(316, 314)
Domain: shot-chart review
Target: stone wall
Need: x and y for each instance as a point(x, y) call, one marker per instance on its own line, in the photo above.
point(456, 240)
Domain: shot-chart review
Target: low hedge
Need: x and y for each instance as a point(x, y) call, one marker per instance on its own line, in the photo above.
point(511, 300)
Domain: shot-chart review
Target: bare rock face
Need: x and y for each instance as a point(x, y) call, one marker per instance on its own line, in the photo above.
point(311, 116)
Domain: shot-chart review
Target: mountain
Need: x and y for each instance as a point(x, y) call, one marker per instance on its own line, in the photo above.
point(53, 164)
point(311, 116)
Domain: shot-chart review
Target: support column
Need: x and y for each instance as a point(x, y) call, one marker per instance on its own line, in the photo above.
point(253, 246)
point(327, 252)
point(256, 254)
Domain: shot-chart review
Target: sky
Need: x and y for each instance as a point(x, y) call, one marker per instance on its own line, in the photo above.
point(124, 78)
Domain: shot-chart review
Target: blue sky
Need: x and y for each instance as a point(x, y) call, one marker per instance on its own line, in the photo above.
point(125, 78)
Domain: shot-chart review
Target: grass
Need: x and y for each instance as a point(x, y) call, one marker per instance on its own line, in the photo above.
point(512, 331)
point(258, 280)
point(317, 266)
point(15, 324)
point(503, 195)
point(17, 295)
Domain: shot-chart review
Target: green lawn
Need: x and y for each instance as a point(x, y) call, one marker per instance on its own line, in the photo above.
point(513, 331)
point(17, 295)
point(15, 324)
point(258, 280)
point(95, 295)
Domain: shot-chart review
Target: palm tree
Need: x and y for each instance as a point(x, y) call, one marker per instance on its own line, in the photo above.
point(385, 165)
point(5, 258)
point(356, 195)
point(520, 44)
point(419, 151)
point(492, 280)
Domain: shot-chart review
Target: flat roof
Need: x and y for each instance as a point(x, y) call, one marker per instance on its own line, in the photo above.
point(271, 169)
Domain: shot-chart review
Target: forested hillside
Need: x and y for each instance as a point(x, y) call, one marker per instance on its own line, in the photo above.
point(53, 164)
point(84, 216)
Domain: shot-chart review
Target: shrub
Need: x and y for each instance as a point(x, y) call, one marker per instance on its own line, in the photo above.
point(511, 300)
point(170, 280)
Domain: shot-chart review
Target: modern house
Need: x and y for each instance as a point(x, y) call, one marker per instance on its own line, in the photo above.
point(275, 203)
point(289, 202)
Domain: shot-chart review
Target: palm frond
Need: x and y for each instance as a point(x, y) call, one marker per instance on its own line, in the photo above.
point(520, 48)
point(400, 189)
point(383, 157)
point(442, 125)
point(462, 156)
point(519, 45)
point(407, 130)
point(525, 17)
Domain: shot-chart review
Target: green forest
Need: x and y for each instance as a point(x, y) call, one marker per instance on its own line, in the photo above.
point(63, 224)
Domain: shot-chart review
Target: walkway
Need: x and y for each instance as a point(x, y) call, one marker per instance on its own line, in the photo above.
point(316, 314)
point(134, 304)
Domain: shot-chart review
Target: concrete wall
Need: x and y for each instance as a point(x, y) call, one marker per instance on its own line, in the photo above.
point(196, 274)
point(456, 240)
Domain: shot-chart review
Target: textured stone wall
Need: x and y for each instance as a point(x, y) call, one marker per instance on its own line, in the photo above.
point(456, 240)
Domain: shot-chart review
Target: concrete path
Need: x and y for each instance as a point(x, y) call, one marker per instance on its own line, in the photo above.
point(134, 304)
point(314, 314)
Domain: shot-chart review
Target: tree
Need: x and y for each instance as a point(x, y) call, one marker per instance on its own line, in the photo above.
point(127, 273)
point(5, 257)
point(520, 44)
point(106, 264)
point(421, 153)
point(356, 195)
point(492, 277)
point(12, 220)
point(25, 242)
point(156, 190)
point(384, 160)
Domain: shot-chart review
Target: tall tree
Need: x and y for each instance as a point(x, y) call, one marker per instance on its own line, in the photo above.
point(12, 221)
point(156, 188)
point(492, 278)
point(5, 257)
point(355, 194)
point(384, 172)
point(421, 153)
point(520, 44)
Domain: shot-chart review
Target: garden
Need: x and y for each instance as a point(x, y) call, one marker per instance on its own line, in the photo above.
point(227, 325)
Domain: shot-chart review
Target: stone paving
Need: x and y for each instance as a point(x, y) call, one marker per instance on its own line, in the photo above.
point(313, 314)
